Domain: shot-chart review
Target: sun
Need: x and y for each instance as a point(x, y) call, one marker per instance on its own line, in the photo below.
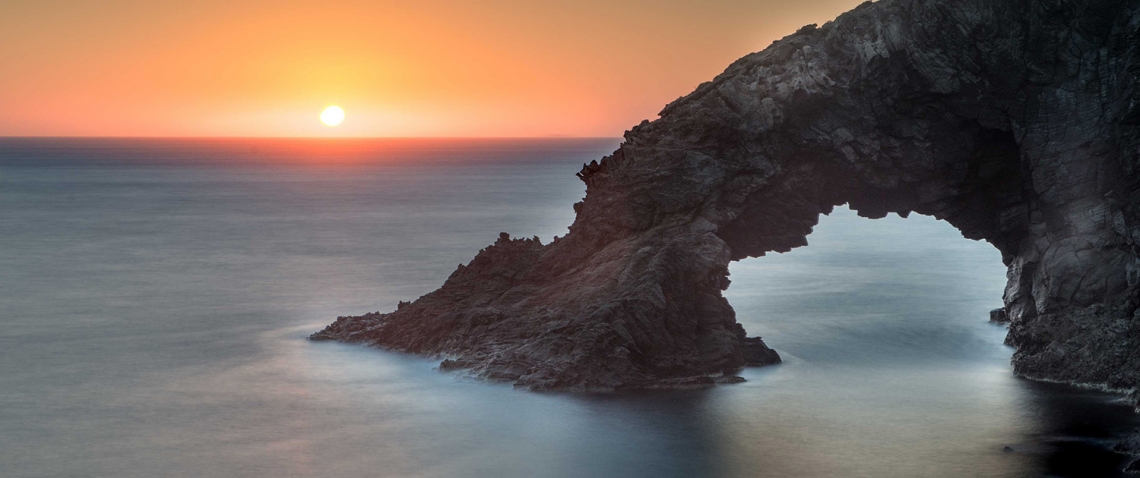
point(332, 115)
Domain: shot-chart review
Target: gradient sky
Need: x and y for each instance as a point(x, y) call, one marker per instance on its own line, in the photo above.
point(399, 68)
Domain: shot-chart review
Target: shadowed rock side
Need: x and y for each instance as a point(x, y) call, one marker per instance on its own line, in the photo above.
point(1014, 121)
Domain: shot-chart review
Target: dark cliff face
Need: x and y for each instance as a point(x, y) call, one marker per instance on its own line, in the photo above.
point(1017, 122)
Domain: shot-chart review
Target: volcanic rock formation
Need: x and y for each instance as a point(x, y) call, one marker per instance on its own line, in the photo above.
point(1015, 121)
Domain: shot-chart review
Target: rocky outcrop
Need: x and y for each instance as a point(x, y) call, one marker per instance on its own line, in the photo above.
point(1015, 121)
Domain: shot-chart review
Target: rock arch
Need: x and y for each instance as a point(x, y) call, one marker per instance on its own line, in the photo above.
point(1014, 121)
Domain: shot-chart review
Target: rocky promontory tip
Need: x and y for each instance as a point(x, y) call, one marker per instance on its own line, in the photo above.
point(1016, 122)
point(601, 325)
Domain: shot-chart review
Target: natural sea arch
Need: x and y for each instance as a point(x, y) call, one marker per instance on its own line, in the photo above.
point(1016, 122)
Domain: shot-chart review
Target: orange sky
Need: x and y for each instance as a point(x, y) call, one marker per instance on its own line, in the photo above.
point(398, 67)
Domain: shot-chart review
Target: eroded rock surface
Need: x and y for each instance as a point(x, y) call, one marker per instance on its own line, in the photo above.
point(1015, 121)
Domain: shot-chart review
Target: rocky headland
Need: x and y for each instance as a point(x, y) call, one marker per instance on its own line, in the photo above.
point(1017, 122)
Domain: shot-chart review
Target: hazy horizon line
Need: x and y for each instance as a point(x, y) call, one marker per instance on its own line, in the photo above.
point(303, 137)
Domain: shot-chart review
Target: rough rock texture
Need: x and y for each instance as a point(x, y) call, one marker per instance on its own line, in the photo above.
point(1015, 121)
point(1129, 445)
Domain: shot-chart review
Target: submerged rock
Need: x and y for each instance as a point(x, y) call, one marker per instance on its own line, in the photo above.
point(1016, 122)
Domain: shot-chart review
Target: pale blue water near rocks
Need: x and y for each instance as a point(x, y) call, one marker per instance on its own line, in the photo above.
point(155, 296)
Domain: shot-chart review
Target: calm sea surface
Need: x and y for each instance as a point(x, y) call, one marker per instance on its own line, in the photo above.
point(155, 296)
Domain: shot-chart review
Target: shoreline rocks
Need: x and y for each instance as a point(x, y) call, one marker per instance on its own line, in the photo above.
point(998, 316)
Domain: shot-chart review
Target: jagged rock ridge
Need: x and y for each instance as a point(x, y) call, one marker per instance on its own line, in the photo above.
point(1014, 121)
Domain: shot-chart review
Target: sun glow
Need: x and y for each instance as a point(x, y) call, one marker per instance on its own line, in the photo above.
point(332, 115)
point(453, 68)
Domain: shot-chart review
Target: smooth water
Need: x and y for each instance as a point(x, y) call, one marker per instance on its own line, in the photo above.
point(155, 296)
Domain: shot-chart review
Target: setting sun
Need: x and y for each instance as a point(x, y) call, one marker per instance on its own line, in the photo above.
point(332, 115)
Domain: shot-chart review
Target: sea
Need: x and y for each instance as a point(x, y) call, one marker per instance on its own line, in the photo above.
point(156, 296)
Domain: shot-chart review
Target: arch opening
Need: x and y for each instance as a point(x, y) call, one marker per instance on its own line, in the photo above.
point(883, 290)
